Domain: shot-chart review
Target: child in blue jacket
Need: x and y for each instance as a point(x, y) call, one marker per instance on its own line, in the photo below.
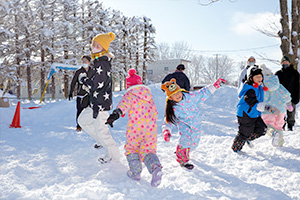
point(251, 125)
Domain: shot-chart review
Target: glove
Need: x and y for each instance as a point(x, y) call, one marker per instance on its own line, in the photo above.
point(113, 117)
point(70, 96)
point(272, 109)
point(219, 82)
point(167, 135)
point(289, 107)
point(82, 78)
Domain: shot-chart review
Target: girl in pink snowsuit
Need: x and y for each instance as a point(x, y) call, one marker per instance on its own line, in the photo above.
point(141, 132)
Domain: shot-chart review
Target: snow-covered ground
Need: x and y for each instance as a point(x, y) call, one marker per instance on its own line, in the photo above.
point(48, 159)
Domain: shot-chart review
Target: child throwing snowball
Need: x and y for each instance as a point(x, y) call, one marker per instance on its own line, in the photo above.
point(182, 110)
point(141, 132)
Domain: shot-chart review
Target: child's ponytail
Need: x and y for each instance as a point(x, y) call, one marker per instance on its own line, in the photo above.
point(169, 112)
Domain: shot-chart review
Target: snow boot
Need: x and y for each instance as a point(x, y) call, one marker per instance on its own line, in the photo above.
point(187, 165)
point(270, 131)
point(237, 145)
point(277, 140)
point(254, 136)
point(154, 167)
point(135, 166)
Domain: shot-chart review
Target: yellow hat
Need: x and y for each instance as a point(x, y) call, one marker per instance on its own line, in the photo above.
point(104, 39)
point(171, 87)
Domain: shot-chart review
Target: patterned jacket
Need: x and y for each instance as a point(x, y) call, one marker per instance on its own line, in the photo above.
point(100, 85)
point(188, 114)
point(277, 95)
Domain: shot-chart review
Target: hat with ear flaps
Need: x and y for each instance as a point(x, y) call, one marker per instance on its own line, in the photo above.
point(253, 71)
point(171, 87)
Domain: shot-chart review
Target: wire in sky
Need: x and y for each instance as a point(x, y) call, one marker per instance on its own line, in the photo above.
point(236, 50)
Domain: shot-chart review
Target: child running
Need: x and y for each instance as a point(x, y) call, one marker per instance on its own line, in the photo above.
point(182, 110)
point(249, 108)
point(141, 132)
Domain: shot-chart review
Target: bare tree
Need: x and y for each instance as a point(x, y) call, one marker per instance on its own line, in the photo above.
point(181, 50)
point(289, 33)
point(216, 67)
point(194, 68)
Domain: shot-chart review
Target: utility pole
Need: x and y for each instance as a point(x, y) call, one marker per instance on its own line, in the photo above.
point(217, 66)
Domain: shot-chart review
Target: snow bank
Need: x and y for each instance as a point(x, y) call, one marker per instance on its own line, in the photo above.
point(47, 159)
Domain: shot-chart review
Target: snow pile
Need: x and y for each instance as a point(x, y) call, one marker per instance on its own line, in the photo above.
point(47, 159)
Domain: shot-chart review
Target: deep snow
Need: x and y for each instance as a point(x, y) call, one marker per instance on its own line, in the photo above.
point(48, 159)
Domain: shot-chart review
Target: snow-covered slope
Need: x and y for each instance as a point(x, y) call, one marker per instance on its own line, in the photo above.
point(47, 159)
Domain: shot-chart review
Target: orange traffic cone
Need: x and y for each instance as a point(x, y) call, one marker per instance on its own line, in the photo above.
point(16, 120)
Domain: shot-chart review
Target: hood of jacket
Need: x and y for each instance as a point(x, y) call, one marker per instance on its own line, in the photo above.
point(272, 82)
point(141, 91)
point(131, 72)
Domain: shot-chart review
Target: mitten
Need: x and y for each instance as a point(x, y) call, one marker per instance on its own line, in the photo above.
point(82, 78)
point(70, 96)
point(289, 106)
point(167, 135)
point(219, 82)
point(114, 116)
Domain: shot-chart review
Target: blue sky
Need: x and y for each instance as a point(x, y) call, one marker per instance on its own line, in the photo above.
point(226, 27)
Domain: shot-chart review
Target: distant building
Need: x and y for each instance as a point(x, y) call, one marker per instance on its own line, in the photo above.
point(157, 70)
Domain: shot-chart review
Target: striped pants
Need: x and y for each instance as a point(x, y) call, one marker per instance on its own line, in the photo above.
point(182, 154)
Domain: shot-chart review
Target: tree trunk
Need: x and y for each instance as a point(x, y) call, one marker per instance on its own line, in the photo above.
point(145, 53)
point(298, 8)
point(42, 83)
point(137, 53)
point(18, 60)
point(28, 68)
point(284, 34)
point(295, 32)
point(52, 56)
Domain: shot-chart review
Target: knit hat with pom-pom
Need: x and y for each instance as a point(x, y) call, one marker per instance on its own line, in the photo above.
point(104, 39)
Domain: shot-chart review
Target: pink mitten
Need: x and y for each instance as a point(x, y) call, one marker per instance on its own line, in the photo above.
point(289, 107)
point(219, 82)
point(167, 135)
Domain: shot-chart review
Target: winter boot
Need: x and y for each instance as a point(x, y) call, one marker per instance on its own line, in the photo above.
point(290, 127)
point(270, 131)
point(154, 167)
point(254, 136)
point(78, 128)
point(237, 145)
point(277, 140)
point(187, 165)
point(135, 166)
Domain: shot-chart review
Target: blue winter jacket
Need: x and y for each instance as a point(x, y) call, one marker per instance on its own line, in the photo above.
point(249, 100)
